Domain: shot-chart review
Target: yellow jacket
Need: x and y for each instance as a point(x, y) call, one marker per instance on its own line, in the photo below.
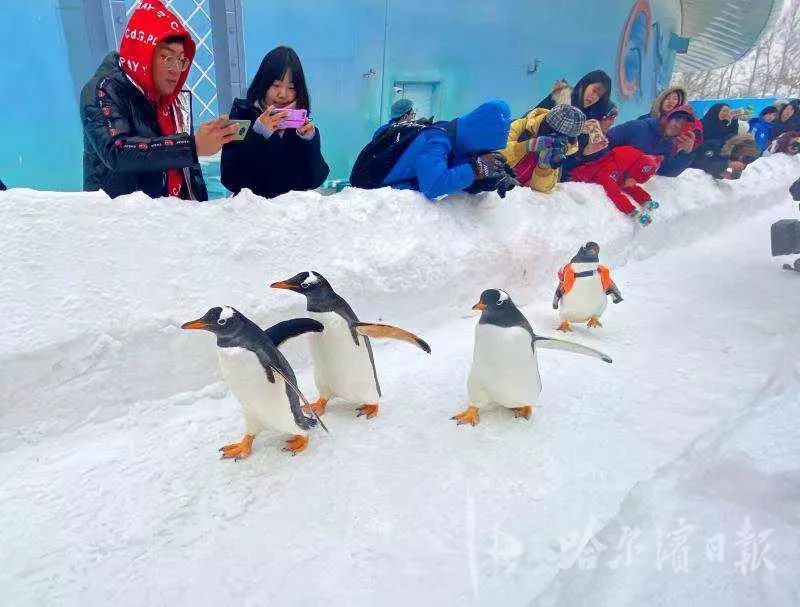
point(544, 179)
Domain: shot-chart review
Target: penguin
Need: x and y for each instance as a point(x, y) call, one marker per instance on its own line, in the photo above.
point(259, 376)
point(344, 366)
point(583, 287)
point(505, 370)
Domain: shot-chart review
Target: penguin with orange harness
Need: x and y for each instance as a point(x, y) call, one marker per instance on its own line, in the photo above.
point(583, 288)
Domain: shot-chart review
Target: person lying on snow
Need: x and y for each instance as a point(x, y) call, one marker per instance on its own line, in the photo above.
point(761, 126)
point(787, 143)
point(737, 153)
point(275, 157)
point(593, 140)
point(620, 171)
point(675, 137)
point(440, 158)
point(137, 131)
point(539, 143)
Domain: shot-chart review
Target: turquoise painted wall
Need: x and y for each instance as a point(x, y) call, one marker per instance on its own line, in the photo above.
point(465, 51)
point(42, 141)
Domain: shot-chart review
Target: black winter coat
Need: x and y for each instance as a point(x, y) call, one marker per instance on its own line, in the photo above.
point(271, 166)
point(123, 149)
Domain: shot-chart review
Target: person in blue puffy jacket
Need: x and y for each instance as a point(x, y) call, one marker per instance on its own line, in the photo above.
point(671, 137)
point(761, 126)
point(450, 158)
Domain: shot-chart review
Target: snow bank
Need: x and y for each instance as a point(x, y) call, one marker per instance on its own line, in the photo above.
point(93, 290)
point(726, 510)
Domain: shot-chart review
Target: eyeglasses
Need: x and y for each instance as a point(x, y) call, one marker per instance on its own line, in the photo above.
point(171, 62)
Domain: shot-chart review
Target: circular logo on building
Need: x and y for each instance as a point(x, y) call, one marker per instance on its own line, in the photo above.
point(633, 47)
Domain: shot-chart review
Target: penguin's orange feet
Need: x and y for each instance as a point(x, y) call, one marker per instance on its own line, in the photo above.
point(471, 416)
point(239, 450)
point(319, 406)
point(594, 322)
point(296, 444)
point(525, 411)
point(564, 326)
point(369, 410)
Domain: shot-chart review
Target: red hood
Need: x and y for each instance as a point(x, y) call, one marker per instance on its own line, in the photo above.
point(148, 26)
point(645, 167)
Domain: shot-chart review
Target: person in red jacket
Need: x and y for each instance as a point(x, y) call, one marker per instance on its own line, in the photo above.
point(620, 172)
point(136, 120)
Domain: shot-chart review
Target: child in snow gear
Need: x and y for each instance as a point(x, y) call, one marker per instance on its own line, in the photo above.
point(539, 143)
point(762, 127)
point(435, 159)
point(620, 171)
point(583, 286)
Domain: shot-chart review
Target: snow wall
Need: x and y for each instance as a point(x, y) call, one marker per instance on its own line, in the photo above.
point(94, 290)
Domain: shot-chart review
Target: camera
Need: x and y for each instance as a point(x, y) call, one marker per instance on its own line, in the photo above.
point(785, 234)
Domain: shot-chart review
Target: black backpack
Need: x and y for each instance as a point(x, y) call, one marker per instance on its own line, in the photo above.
point(380, 155)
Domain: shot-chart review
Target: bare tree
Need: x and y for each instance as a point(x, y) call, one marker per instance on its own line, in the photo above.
point(771, 69)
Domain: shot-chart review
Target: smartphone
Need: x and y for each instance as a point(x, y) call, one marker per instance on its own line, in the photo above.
point(294, 120)
point(241, 132)
point(596, 135)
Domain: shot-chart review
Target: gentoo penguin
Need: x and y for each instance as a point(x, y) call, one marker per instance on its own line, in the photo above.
point(583, 285)
point(344, 366)
point(505, 370)
point(259, 376)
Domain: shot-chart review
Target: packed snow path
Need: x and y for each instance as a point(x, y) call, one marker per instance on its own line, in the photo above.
point(406, 509)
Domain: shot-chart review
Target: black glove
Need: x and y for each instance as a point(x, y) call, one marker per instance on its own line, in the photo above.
point(501, 182)
point(487, 165)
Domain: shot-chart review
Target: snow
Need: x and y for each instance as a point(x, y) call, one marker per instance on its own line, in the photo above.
point(112, 488)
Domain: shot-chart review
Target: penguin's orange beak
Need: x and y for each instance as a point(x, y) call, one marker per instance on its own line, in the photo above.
point(284, 284)
point(195, 324)
point(479, 306)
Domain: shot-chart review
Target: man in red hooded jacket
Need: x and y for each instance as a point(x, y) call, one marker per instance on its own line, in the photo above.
point(137, 123)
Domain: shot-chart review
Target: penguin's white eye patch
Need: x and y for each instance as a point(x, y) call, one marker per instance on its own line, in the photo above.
point(503, 297)
point(311, 280)
point(225, 315)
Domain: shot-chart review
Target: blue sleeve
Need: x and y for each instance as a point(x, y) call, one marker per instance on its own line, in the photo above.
point(624, 134)
point(672, 166)
point(434, 175)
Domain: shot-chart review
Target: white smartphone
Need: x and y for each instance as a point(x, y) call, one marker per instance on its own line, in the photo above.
point(241, 132)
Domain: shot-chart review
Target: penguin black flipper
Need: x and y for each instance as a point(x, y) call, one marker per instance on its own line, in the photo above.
point(569, 346)
point(272, 361)
point(283, 331)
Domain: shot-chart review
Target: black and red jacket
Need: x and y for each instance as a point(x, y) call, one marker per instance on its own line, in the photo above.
point(126, 145)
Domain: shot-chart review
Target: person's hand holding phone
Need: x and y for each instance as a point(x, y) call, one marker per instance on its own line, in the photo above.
point(686, 142)
point(307, 129)
point(271, 118)
point(213, 134)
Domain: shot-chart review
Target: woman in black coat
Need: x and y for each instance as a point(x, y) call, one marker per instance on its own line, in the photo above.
point(272, 160)
point(718, 128)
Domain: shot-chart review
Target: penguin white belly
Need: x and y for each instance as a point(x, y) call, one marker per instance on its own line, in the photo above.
point(585, 300)
point(341, 368)
point(504, 368)
point(264, 404)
